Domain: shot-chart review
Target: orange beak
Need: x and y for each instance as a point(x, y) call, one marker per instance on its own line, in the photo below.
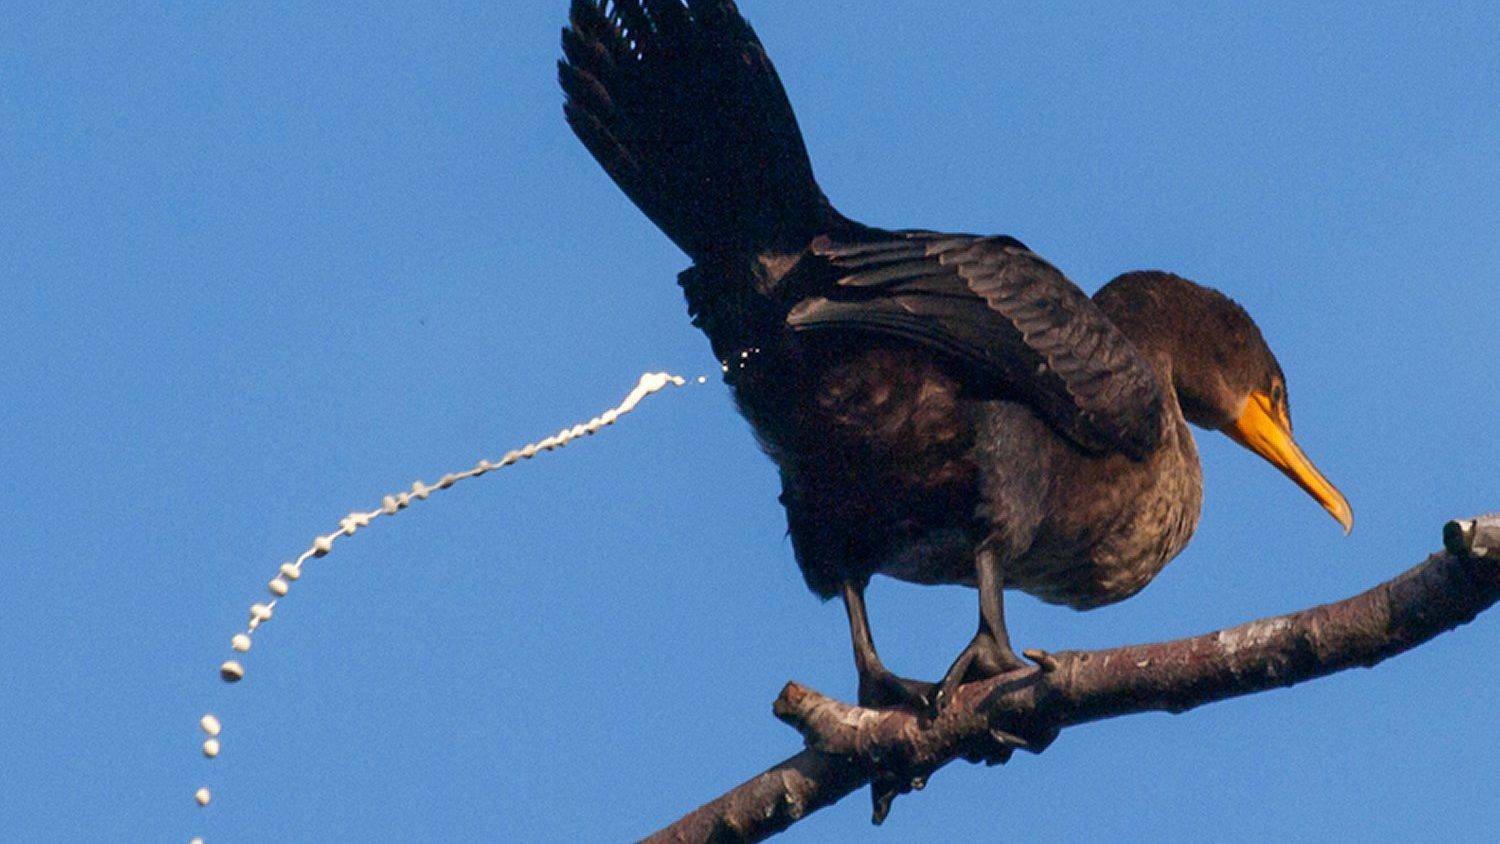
point(1265, 430)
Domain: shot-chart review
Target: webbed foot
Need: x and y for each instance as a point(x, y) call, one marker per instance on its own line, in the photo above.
point(983, 658)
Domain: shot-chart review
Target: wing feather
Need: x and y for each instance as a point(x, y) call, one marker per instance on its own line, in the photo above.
point(1001, 309)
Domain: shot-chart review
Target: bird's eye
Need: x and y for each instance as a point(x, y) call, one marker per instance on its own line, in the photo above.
point(1278, 395)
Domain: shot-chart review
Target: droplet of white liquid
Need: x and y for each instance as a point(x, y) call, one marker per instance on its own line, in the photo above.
point(232, 671)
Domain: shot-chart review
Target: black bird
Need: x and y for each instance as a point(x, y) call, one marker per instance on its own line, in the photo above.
point(943, 408)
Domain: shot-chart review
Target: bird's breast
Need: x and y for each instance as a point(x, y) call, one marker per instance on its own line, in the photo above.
point(1112, 524)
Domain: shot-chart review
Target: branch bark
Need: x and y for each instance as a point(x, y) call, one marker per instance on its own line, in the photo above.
point(848, 747)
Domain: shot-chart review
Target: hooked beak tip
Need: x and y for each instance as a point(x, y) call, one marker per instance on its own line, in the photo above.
point(1346, 518)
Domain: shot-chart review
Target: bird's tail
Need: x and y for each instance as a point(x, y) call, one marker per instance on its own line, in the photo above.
point(679, 103)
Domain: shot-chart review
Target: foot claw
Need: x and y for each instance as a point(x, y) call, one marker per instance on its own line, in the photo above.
point(885, 690)
point(950, 684)
point(882, 795)
point(1047, 662)
point(1009, 740)
point(982, 659)
point(1003, 744)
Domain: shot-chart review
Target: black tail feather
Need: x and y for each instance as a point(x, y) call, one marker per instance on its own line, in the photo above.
point(681, 106)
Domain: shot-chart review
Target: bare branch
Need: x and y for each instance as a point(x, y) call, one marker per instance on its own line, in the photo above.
point(849, 746)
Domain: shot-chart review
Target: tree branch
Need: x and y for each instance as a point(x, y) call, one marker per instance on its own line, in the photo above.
point(896, 749)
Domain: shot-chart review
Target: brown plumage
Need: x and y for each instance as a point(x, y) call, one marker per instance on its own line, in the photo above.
point(942, 408)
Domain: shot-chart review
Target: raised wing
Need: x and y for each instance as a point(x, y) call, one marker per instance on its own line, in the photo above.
point(679, 103)
point(1006, 313)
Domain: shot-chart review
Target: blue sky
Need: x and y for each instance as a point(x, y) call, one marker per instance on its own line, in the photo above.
point(264, 263)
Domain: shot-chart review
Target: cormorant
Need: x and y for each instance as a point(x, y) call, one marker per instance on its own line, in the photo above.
point(943, 408)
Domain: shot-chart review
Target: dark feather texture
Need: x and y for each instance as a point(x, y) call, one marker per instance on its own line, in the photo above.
point(1007, 313)
point(681, 106)
point(943, 408)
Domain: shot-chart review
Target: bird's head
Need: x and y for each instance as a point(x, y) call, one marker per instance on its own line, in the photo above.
point(1223, 372)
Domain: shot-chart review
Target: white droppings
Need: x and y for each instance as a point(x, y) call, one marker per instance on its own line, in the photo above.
point(232, 671)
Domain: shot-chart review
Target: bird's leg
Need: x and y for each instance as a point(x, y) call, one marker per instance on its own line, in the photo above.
point(878, 687)
point(988, 653)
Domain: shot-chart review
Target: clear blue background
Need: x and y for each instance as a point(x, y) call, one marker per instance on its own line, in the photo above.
point(263, 263)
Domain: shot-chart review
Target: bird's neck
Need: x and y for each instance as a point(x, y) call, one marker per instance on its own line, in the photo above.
point(1148, 321)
